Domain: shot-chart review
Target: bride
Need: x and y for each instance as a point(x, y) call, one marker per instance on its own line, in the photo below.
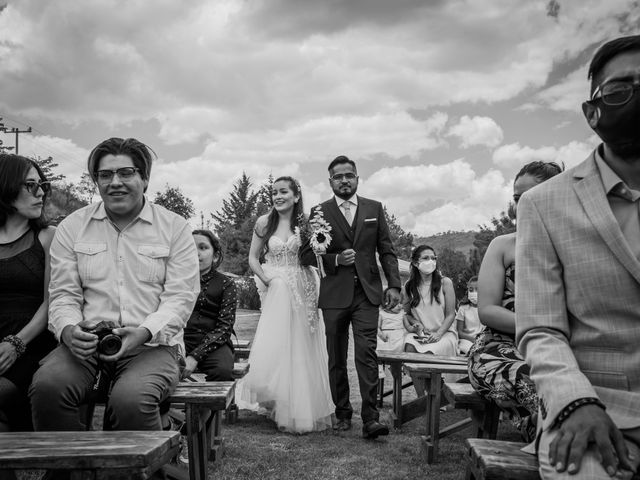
point(288, 379)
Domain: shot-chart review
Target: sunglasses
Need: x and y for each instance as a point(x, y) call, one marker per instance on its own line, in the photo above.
point(33, 186)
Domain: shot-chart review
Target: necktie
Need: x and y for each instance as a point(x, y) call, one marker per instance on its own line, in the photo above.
point(347, 211)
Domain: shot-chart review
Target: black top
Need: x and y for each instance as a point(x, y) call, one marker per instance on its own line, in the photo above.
point(211, 323)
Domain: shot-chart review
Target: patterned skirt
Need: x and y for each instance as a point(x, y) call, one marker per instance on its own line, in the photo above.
point(498, 371)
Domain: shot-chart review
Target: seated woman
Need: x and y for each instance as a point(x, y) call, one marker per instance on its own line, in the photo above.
point(207, 336)
point(430, 309)
point(24, 282)
point(496, 369)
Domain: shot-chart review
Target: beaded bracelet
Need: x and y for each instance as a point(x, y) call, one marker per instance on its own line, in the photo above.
point(576, 404)
point(17, 343)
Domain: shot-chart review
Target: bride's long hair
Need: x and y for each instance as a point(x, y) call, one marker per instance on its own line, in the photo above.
point(274, 218)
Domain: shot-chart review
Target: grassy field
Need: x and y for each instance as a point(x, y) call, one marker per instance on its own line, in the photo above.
point(255, 449)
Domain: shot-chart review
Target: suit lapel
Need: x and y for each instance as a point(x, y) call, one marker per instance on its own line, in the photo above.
point(337, 218)
point(591, 194)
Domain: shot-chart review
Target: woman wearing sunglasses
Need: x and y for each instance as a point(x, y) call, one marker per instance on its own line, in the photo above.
point(24, 280)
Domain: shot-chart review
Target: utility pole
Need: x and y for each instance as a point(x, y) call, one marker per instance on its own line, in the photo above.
point(17, 131)
point(3, 129)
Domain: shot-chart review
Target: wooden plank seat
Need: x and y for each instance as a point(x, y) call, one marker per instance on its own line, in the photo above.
point(497, 460)
point(240, 369)
point(241, 349)
point(484, 414)
point(89, 455)
point(204, 402)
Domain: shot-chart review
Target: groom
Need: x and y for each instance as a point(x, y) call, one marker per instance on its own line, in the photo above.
point(351, 291)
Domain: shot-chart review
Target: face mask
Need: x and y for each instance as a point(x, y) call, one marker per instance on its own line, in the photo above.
point(427, 266)
point(619, 127)
point(473, 297)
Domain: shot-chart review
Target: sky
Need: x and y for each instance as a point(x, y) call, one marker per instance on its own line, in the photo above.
point(439, 102)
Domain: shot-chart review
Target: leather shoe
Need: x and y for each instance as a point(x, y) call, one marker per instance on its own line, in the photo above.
point(343, 425)
point(374, 429)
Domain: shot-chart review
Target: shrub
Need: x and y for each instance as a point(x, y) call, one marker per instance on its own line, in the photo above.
point(247, 293)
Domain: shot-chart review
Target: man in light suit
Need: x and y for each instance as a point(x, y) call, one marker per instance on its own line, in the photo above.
point(578, 286)
point(351, 291)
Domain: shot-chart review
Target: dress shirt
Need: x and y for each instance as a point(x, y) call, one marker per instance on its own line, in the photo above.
point(354, 205)
point(143, 276)
point(624, 203)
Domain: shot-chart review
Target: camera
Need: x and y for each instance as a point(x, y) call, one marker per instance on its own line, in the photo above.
point(108, 342)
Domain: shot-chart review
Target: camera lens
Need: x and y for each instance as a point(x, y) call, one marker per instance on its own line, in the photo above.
point(110, 344)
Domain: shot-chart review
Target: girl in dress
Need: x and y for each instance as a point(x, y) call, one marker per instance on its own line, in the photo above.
point(288, 379)
point(430, 307)
point(467, 319)
point(497, 370)
point(24, 282)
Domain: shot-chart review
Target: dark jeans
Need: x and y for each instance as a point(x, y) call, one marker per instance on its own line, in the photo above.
point(363, 317)
point(140, 381)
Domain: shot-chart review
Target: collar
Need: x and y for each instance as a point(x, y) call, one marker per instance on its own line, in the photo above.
point(146, 214)
point(611, 182)
point(353, 199)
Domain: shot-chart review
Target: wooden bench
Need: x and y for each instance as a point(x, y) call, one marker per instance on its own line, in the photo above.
point(241, 349)
point(240, 369)
point(497, 460)
point(204, 403)
point(430, 404)
point(484, 414)
point(89, 455)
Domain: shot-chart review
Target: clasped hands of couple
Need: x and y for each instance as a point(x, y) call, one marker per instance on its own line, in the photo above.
point(84, 344)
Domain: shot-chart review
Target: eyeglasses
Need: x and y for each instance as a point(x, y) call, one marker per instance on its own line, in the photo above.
point(124, 173)
point(32, 187)
point(338, 177)
point(615, 93)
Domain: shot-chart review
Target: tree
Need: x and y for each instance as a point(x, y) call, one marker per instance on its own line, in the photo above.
point(86, 188)
point(264, 200)
point(234, 225)
point(174, 200)
point(453, 264)
point(402, 241)
point(63, 200)
point(240, 205)
point(500, 226)
point(48, 165)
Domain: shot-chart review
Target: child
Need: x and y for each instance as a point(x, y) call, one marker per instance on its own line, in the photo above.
point(391, 331)
point(467, 319)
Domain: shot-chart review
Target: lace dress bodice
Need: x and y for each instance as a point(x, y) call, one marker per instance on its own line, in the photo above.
point(283, 254)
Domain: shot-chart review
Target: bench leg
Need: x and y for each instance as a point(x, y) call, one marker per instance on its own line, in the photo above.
point(434, 397)
point(214, 433)
point(231, 414)
point(197, 442)
point(396, 372)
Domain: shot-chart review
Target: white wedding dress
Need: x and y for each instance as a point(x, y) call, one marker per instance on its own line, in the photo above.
point(288, 376)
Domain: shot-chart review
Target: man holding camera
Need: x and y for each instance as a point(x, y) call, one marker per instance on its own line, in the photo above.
point(124, 280)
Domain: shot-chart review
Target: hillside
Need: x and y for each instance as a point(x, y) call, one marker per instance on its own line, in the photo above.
point(460, 241)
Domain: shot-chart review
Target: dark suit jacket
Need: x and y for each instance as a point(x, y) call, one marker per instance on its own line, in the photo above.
point(368, 233)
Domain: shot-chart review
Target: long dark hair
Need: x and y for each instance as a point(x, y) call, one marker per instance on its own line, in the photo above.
point(215, 244)
point(13, 172)
point(273, 218)
point(411, 288)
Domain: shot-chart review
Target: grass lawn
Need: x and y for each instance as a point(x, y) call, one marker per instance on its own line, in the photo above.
point(255, 449)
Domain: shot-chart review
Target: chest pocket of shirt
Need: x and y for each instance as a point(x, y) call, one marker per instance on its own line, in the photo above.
point(152, 263)
point(92, 259)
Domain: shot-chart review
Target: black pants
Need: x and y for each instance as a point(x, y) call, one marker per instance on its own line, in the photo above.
point(218, 364)
point(363, 316)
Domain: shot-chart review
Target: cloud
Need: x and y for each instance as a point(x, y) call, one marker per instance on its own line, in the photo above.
point(477, 131)
point(514, 156)
point(429, 199)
